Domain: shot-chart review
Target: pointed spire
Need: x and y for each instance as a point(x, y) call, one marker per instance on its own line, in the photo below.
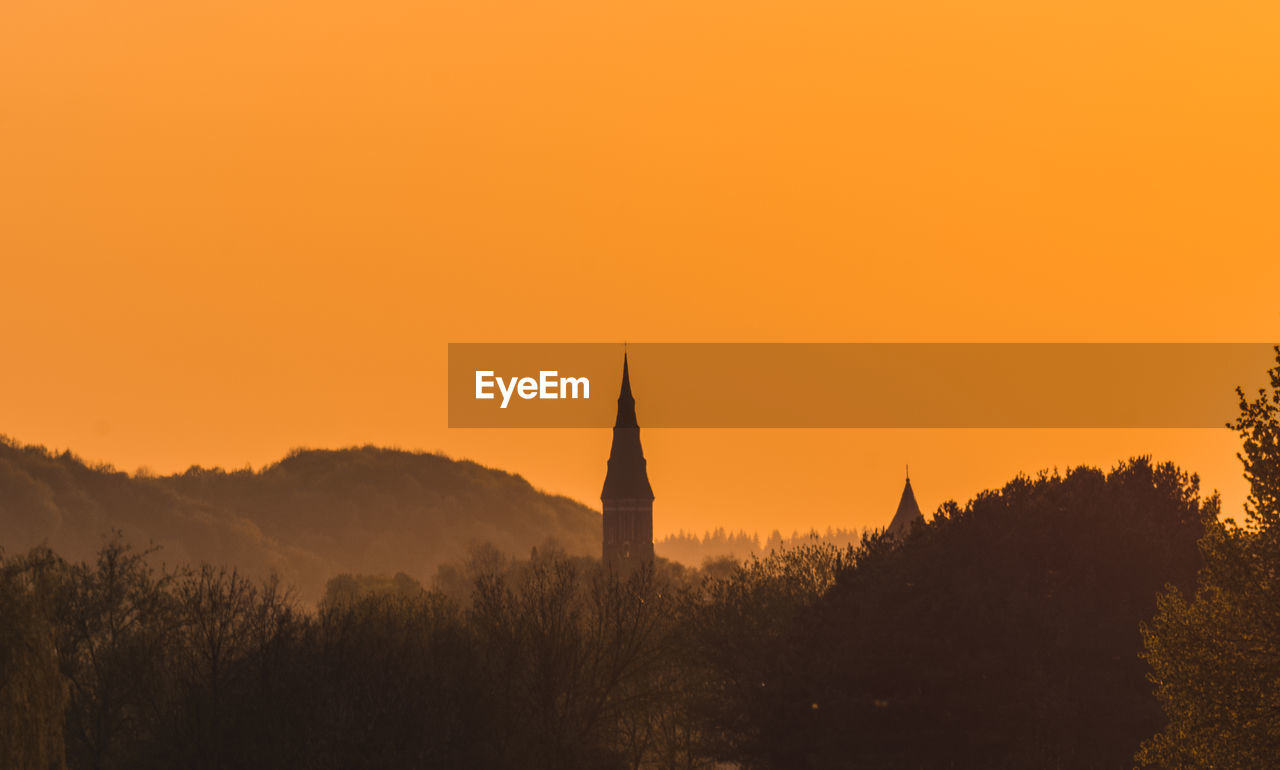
point(908, 513)
point(627, 477)
point(626, 402)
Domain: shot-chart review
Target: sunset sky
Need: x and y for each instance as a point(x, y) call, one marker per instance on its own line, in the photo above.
point(233, 227)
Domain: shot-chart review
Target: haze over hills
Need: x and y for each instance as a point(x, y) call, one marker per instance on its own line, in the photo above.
point(310, 516)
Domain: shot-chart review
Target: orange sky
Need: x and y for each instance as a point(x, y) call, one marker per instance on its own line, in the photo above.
point(232, 227)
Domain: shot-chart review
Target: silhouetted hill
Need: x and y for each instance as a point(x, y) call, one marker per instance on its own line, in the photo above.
point(312, 515)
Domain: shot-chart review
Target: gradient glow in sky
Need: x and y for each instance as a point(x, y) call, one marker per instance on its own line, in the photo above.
point(229, 228)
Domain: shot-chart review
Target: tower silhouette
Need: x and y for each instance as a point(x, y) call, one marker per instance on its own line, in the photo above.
point(627, 498)
point(908, 513)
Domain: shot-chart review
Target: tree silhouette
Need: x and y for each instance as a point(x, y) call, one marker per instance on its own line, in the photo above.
point(1215, 654)
point(33, 694)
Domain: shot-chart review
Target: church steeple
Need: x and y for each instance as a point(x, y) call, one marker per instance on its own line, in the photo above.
point(908, 513)
point(627, 497)
point(626, 402)
point(628, 477)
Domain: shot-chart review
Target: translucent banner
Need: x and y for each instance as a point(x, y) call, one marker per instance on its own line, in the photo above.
point(854, 385)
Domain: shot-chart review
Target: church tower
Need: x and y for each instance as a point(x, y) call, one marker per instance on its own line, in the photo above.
point(908, 513)
point(627, 497)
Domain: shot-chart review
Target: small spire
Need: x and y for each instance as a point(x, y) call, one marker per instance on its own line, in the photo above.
point(908, 513)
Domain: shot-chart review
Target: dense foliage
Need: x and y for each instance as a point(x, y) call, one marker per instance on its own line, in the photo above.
point(1215, 653)
point(1003, 633)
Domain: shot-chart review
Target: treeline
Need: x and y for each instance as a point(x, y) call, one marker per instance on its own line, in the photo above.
point(310, 516)
point(1004, 633)
point(691, 549)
